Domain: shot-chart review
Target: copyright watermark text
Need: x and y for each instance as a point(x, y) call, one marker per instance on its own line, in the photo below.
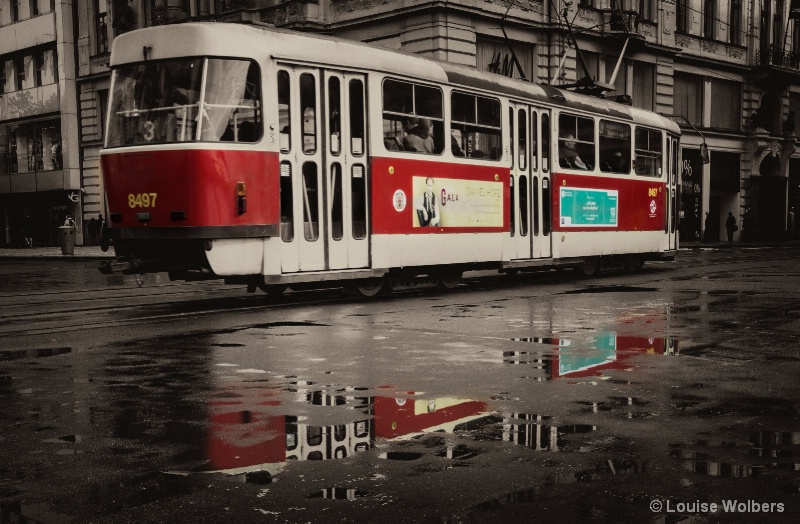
point(723, 506)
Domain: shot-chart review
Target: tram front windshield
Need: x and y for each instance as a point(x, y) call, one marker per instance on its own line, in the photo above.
point(184, 100)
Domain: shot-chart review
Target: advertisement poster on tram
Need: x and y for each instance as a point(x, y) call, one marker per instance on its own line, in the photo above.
point(588, 207)
point(449, 202)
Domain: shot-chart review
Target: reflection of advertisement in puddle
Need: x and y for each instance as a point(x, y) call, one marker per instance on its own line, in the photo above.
point(559, 357)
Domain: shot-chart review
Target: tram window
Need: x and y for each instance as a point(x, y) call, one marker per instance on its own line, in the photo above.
point(314, 438)
point(615, 147)
point(335, 115)
point(523, 205)
point(287, 203)
point(649, 149)
point(284, 111)
point(412, 118)
point(534, 140)
point(358, 201)
point(675, 165)
point(357, 117)
point(337, 209)
point(546, 199)
point(232, 101)
point(159, 102)
point(522, 150)
point(476, 124)
point(510, 136)
point(512, 206)
point(575, 142)
point(545, 142)
point(310, 202)
point(535, 191)
point(308, 110)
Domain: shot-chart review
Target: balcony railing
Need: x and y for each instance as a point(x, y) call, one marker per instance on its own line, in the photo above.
point(775, 56)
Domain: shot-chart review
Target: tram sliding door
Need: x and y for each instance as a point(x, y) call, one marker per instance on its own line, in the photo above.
point(520, 182)
point(673, 197)
point(346, 170)
point(540, 164)
point(301, 169)
point(323, 169)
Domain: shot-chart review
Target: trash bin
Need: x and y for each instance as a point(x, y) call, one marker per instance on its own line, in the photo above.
point(66, 239)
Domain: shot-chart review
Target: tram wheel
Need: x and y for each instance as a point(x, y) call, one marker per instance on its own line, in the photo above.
point(371, 287)
point(273, 290)
point(590, 266)
point(449, 278)
point(633, 263)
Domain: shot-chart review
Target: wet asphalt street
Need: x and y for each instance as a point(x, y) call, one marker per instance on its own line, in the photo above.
point(645, 397)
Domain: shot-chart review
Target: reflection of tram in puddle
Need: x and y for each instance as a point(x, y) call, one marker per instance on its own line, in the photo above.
point(572, 358)
point(246, 440)
point(244, 437)
point(250, 436)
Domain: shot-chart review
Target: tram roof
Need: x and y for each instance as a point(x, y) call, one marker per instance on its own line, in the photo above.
point(227, 39)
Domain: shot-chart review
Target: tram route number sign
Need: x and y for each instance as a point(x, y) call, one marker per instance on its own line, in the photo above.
point(588, 207)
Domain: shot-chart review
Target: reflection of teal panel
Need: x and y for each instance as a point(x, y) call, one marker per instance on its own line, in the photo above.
point(588, 207)
point(602, 351)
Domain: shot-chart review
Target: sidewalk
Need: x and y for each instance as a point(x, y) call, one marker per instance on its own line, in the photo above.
point(81, 252)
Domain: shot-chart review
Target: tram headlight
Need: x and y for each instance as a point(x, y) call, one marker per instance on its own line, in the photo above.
point(241, 198)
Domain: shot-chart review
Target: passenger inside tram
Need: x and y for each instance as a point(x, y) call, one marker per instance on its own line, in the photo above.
point(568, 156)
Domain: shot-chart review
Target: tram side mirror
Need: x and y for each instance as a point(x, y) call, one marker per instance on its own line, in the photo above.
point(704, 153)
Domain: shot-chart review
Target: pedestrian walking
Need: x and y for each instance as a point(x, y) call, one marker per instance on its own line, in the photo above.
point(790, 225)
point(730, 226)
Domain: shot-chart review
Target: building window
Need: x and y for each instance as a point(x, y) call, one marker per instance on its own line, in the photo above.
point(101, 26)
point(796, 36)
point(681, 16)
point(592, 61)
point(34, 7)
point(688, 97)
point(19, 71)
point(33, 147)
point(15, 11)
point(494, 56)
point(39, 68)
point(735, 24)
point(646, 10)
point(125, 18)
point(727, 107)
point(644, 85)
point(2, 77)
point(709, 18)
point(777, 26)
point(621, 80)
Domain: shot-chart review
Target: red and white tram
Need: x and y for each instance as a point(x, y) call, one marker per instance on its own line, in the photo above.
point(272, 158)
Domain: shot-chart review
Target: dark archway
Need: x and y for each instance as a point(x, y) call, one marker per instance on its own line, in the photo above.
point(769, 201)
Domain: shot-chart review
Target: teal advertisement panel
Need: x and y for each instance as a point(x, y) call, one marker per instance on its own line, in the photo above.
point(589, 207)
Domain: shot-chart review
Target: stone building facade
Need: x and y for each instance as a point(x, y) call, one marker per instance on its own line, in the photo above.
point(728, 72)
